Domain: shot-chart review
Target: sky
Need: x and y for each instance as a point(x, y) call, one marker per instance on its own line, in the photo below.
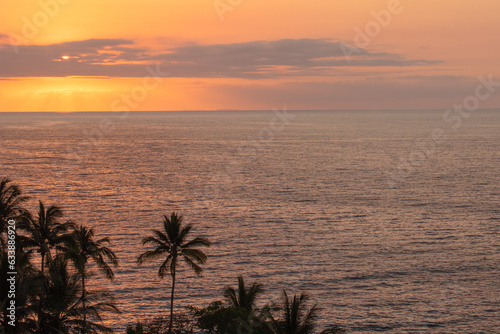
point(114, 55)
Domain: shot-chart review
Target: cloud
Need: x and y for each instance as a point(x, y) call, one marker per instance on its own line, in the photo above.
point(87, 58)
point(252, 60)
point(287, 57)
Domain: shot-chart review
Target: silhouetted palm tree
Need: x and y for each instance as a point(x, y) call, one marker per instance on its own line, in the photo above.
point(244, 298)
point(62, 307)
point(171, 242)
point(243, 306)
point(11, 198)
point(82, 248)
point(45, 232)
point(296, 319)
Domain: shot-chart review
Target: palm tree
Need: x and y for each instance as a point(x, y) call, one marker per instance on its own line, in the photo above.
point(171, 242)
point(45, 232)
point(11, 198)
point(242, 302)
point(61, 302)
point(296, 319)
point(82, 248)
point(244, 298)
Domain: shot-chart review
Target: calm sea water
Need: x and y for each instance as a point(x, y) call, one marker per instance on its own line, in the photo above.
point(307, 201)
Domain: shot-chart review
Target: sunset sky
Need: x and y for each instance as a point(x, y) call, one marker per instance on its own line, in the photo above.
point(109, 55)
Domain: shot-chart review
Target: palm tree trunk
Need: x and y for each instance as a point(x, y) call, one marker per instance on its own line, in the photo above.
point(43, 260)
point(39, 320)
point(172, 304)
point(83, 304)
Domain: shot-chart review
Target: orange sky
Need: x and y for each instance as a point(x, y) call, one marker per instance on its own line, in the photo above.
point(244, 54)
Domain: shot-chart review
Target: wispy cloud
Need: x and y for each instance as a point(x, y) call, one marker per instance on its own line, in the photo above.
point(286, 57)
point(252, 60)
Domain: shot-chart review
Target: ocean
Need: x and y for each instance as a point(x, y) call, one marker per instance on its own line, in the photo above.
point(389, 220)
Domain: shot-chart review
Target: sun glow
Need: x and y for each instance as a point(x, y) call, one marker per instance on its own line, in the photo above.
point(65, 57)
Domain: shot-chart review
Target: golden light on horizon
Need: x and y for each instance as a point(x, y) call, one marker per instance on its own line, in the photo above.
point(65, 57)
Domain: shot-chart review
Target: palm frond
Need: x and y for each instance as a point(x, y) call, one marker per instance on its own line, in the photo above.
point(196, 242)
point(195, 254)
point(231, 296)
point(153, 240)
point(197, 269)
point(103, 266)
point(151, 255)
point(183, 233)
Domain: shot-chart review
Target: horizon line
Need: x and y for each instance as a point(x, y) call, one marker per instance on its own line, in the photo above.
point(234, 110)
